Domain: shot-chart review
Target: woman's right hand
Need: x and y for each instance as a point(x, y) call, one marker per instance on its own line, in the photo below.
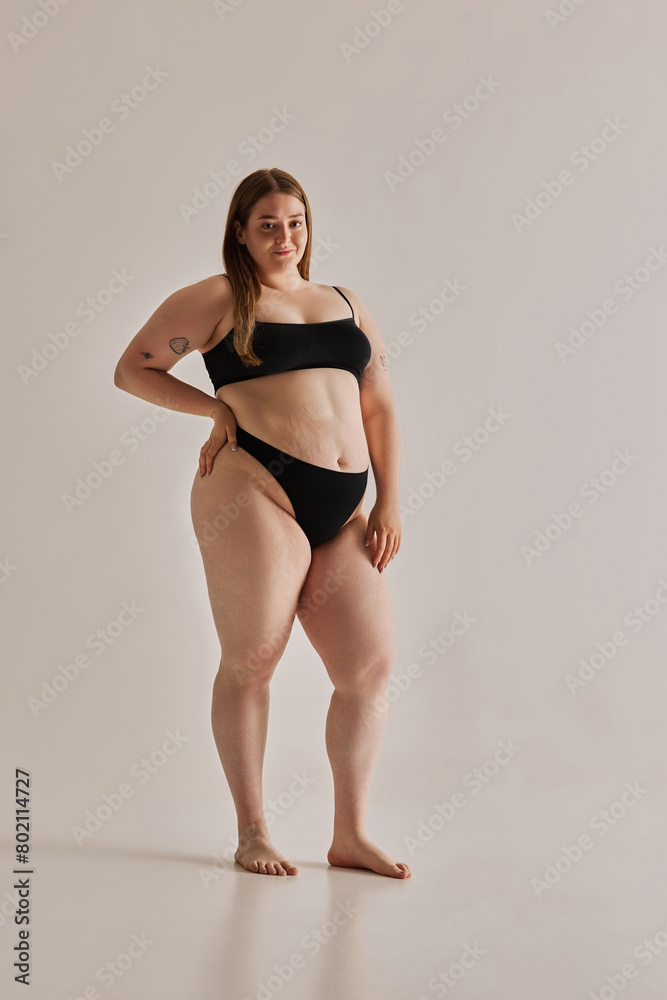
point(224, 429)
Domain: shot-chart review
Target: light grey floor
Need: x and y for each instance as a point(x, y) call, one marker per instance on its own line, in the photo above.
point(134, 924)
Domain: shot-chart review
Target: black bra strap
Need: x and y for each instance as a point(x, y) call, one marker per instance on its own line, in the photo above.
point(346, 299)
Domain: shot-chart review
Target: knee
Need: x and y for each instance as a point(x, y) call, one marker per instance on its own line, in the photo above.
point(249, 668)
point(369, 677)
point(235, 674)
point(243, 676)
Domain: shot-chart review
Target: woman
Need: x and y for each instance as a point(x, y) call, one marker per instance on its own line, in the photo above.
point(302, 395)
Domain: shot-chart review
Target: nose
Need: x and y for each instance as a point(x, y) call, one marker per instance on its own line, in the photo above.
point(284, 237)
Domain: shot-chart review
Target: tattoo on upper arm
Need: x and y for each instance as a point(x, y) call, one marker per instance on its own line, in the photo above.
point(146, 354)
point(382, 361)
point(179, 345)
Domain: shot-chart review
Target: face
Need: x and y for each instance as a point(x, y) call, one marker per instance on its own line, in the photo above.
point(277, 223)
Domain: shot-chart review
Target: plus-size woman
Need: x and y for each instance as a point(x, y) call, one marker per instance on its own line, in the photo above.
point(302, 406)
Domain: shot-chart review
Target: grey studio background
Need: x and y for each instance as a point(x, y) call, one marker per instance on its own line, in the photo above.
point(490, 179)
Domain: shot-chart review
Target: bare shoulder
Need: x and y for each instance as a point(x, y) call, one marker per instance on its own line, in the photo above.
point(183, 323)
point(208, 294)
point(208, 302)
point(362, 316)
point(379, 357)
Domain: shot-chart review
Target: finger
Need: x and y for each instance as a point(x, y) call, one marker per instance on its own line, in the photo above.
point(388, 553)
point(368, 537)
point(231, 437)
point(210, 458)
point(202, 459)
point(394, 549)
point(383, 561)
point(379, 552)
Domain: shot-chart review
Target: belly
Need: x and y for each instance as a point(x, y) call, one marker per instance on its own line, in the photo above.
point(313, 414)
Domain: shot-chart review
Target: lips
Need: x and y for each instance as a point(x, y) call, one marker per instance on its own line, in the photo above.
point(283, 252)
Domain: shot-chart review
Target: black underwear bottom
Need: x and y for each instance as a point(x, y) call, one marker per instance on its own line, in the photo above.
point(323, 499)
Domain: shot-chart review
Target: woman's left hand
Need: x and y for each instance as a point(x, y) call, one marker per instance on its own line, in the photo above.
point(384, 522)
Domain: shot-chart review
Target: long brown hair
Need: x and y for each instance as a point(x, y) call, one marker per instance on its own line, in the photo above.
point(238, 263)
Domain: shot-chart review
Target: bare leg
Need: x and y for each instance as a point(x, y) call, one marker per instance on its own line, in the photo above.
point(255, 558)
point(352, 631)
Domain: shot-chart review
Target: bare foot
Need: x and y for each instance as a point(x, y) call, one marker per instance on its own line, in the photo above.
point(360, 852)
point(257, 854)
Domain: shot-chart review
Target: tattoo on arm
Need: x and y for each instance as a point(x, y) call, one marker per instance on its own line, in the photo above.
point(179, 345)
point(149, 356)
point(382, 361)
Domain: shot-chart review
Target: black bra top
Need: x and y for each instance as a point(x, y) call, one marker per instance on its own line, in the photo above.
point(288, 347)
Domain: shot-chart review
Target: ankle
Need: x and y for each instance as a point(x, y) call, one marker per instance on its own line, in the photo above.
point(350, 831)
point(253, 830)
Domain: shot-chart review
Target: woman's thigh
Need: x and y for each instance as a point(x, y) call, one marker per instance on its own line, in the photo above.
point(345, 609)
point(255, 557)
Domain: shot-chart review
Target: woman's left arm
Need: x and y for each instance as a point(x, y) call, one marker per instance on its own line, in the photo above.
point(382, 435)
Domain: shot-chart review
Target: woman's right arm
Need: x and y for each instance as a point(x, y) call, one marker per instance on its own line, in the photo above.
point(183, 323)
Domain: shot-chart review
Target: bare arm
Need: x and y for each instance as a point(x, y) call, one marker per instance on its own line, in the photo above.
point(380, 421)
point(184, 322)
point(378, 410)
